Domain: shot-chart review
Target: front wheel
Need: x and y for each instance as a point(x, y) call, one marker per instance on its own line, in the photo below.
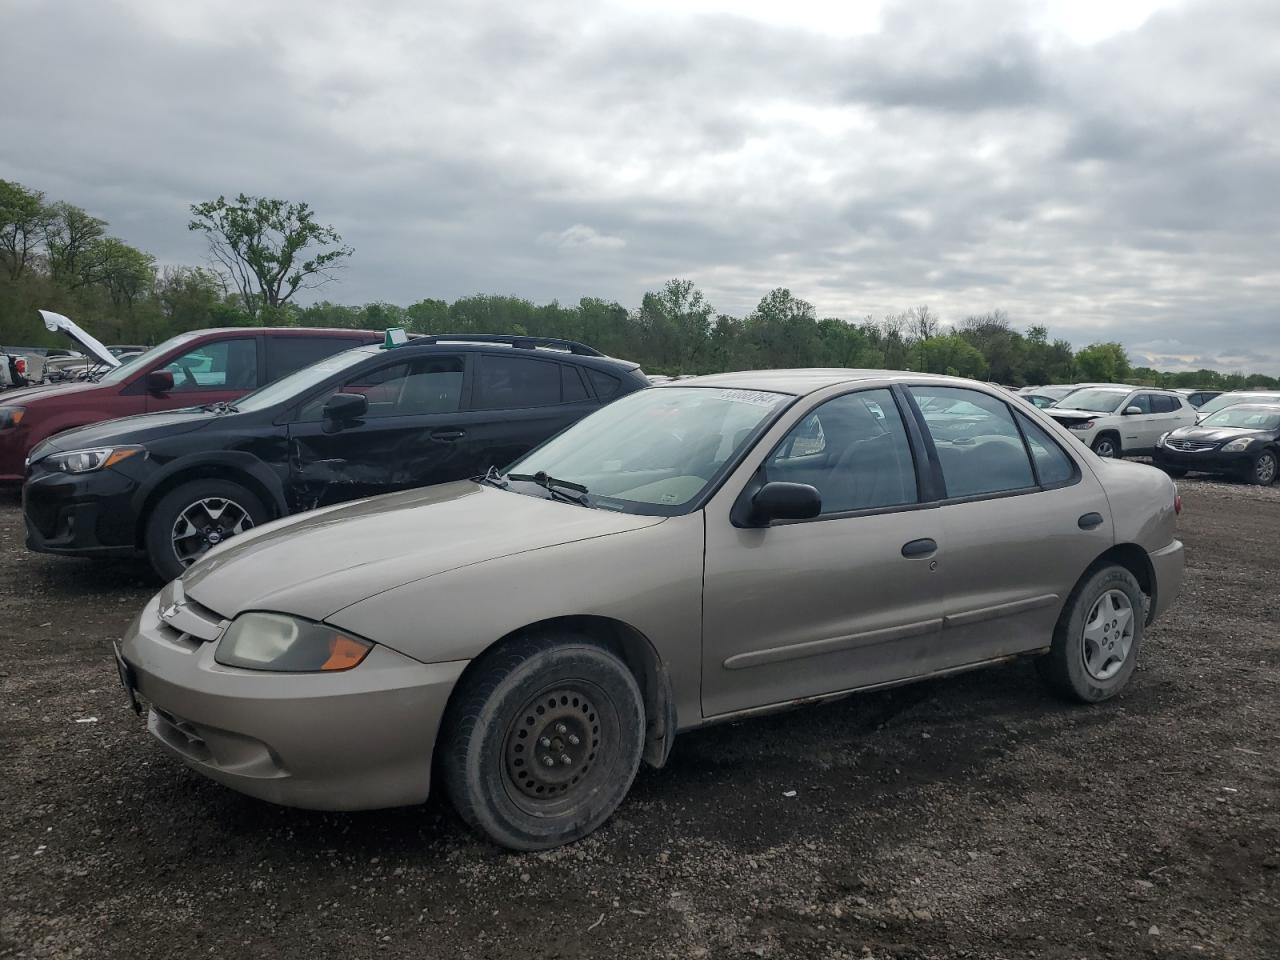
point(541, 743)
point(1096, 642)
point(192, 519)
point(1106, 447)
point(1263, 471)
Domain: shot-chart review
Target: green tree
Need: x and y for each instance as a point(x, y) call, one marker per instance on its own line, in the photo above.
point(951, 354)
point(675, 323)
point(270, 248)
point(24, 218)
point(72, 239)
point(1102, 363)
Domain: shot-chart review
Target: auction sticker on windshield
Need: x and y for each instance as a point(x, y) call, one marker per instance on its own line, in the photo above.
point(759, 398)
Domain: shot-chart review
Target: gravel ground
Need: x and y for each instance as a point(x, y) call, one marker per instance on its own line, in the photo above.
point(970, 817)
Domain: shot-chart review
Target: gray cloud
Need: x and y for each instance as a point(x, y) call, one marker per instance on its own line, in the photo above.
point(958, 156)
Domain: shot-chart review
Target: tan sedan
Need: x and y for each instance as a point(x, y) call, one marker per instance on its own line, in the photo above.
point(695, 552)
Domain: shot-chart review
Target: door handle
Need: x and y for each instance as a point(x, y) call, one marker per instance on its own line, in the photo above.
point(1089, 521)
point(448, 436)
point(920, 548)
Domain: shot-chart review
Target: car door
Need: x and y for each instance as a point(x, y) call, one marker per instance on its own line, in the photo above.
point(847, 599)
point(1136, 428)
point(408, 436)
point(1022, 520)
point(516, 403)
point(211, 372)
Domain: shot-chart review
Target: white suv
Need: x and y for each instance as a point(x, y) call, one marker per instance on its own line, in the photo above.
point(1122, 421)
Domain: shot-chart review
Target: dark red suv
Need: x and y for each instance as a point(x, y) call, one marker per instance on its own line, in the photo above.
point(191, 369)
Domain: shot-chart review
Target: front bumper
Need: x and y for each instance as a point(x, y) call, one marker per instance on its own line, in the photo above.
point(1166, 567)
point(356, 740)
point(1208, 461)
point(86, 514)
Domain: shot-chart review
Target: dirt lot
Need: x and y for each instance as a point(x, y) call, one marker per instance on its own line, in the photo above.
point(973, 817)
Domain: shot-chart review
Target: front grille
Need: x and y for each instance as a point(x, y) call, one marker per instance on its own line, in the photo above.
point(1189, 446)
point(194, 621)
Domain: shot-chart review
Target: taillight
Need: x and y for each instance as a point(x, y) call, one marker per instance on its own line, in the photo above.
point(1177, 504)
point(21, 365)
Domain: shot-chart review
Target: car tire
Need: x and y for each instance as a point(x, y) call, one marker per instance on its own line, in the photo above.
point(1107, 447)
point(1263, 470)
point(561, 698)
point(247, 511)
point(1092, 655)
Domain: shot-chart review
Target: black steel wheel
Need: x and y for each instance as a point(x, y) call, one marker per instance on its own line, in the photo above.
point(542, 740)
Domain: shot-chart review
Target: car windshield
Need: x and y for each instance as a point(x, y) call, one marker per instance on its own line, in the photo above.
point(1093, 401)
point(1224, 400)
point(130, 367)
point(300, 381)
point(1245, 417)
point(656, 450)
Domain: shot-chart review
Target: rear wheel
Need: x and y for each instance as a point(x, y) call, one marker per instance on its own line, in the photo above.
point(194, 518)
point(1263, 472)
point(1106, 446)
point(1096, 642)
point(541, 743)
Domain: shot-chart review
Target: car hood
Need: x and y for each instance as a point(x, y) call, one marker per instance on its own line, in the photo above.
point(317, 563)
point(57, 323)
point(1216, 434)
point(20, 397)
point(1067, 413)
point(138, 429)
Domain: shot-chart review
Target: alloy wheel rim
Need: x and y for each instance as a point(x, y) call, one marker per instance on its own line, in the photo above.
point(1265, 468)
point(204, 524)
point(1106, 449)
point(1108, 635)
point(553, 745)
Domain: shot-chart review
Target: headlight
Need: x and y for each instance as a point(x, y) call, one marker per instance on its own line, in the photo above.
point(11, 416)
point(1239, 445)
point(273, 641)
point(1085, 425)
point(84, 461)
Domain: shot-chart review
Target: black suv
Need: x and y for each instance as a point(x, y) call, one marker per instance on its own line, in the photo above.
point(362, 422)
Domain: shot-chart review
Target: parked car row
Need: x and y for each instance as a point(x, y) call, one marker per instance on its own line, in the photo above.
point(624, 561)
point(1182, 430)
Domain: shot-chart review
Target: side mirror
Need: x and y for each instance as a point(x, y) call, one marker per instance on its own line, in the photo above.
point(785, 501)
point(160, 381)
point(1133, 411)
point(345, 407)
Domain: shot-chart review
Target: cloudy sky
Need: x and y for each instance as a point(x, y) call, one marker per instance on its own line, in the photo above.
point(1110, 168)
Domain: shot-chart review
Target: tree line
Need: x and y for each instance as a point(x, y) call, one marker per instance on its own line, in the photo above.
point(264, 251)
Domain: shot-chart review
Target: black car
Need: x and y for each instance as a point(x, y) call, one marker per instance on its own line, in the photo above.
point(362, 422)
point(1242, 441)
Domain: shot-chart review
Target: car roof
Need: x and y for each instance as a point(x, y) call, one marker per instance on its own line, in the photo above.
point(1254, 406)
point(544, 348)
point(806, 380)
point(289, 331)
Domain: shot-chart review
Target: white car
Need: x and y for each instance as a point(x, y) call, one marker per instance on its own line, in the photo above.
point(1122, 421)
point(1231, 398)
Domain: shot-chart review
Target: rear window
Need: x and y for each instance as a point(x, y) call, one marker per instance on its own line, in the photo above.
point(606, 384)
point(287, 354)
point(510, 383)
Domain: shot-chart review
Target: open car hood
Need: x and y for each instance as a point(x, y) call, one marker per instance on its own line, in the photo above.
point(57, 323)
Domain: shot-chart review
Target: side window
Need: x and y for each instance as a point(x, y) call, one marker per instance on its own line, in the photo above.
point(509, 383)
point(854, 449)
point(978, 443)
point(287, 354)
point(571, 386)
point(1053, 466)
point(405, 389)
point(222, 365)
point(1142, 401)
point(606, 384)
point(1161, 403)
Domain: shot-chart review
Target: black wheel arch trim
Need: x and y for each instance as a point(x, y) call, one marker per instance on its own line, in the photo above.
point(228, 461)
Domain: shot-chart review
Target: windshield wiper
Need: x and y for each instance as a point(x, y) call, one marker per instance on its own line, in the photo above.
point(219, 406)
point(493, 478)
point(565, 490)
